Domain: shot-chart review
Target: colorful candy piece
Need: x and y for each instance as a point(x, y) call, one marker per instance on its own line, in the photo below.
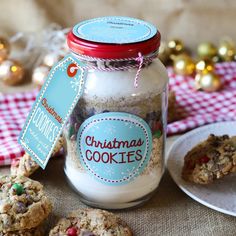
point(72, 231)
point(157, 134)
point(20, 207)
point(18, 188)
point(88, 233)
point(204, 159)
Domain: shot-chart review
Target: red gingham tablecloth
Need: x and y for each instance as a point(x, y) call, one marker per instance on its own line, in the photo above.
point(13, 112)
point(194, 108)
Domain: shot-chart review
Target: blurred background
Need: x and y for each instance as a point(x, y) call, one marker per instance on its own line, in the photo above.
point(33, 34)
point(191, 20)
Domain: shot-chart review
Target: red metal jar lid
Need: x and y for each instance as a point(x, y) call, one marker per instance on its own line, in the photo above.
point(113, 38)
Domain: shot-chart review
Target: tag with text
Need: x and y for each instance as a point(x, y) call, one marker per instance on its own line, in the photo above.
point(114, 147)
point(55, 102)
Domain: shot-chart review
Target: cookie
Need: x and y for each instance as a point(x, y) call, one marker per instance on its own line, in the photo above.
point(23, 204)
point(91, 222)
point(26, 166)
point(210, 160)
point(30, 232)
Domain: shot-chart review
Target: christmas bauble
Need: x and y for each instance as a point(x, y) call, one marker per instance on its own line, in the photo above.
point(204, 66)
point(11, 72)
point(208, 82)
point(4, 49)
point(206, 50)
point(183, 64)
point(175, 46)
point(39, 75)
point(226, 50)
point(197, 81)
point(51, 58)
point(163, 53)
point(216, 59)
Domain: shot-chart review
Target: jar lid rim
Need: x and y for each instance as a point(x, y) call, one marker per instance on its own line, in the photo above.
point(143, 38)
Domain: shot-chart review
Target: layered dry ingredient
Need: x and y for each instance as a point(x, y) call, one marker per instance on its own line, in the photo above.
point(137, 106)
point(148, 107)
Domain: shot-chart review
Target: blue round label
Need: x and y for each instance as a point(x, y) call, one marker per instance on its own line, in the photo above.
point(114, 147)
point(115, 29)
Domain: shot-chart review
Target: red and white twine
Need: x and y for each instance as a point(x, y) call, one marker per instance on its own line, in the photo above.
point(141, 61)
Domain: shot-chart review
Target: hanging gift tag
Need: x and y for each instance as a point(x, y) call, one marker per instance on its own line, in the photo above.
point(56, 100)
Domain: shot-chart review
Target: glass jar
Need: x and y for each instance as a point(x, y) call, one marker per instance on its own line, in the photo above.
point(115, 136)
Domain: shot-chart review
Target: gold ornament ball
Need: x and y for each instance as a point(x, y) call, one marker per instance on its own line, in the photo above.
point(39, 75)
point(204, 66)
point(11, 72)
point(208, 82)
point(226, 50)
point(183, 64)
point(197, 81)
point(163, 53)
point(175, 46)
point(51, 58)
point(206, 50)
point(4, 49)
point(216, 59)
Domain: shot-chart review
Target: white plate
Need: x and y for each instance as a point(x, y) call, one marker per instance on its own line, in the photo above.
point(221, 195)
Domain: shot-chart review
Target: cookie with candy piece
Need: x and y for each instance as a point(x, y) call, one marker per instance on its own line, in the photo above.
point(91, 222)
point(211, 159)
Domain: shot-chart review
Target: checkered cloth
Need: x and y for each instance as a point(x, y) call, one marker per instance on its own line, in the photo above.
point(195, 108)
point(13, 112)
point(192, 107)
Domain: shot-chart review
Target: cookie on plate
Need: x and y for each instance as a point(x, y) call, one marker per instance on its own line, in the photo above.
point(210, 160)
point(23, 204)
point(26, 166)
point(38, 231)
point(91, 222)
